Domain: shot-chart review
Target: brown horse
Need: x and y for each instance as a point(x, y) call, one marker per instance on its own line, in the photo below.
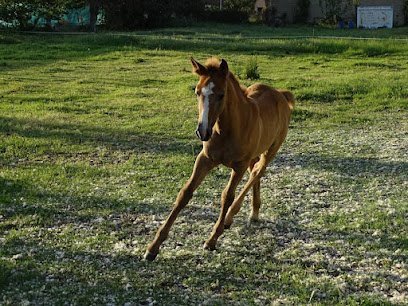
point(241, 128)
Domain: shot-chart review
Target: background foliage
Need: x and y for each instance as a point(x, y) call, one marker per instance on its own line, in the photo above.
point(119, 14)
point(302, 11)
point(333, 10)
point(20, 12)
point(239, 5)
point(128, 14)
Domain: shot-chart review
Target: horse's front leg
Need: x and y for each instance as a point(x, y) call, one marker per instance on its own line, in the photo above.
point(201, 167)
point(227, 198)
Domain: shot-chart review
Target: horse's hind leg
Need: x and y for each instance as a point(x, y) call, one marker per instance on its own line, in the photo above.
point(256, 194)
point(256, 201)
point(256, 173)
point(227, 198)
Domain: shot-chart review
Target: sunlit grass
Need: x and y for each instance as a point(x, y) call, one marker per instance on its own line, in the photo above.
point(97, 137)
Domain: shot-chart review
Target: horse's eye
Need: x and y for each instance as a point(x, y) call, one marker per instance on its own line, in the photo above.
point(221, 96)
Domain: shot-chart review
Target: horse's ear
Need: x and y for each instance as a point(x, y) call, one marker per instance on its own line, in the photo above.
point(224, 67)
point(198, 68)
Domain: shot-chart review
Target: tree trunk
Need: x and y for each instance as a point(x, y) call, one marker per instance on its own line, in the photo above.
point(93, 14)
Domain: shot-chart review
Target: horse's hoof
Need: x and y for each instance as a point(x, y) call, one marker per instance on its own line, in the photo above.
point(227, 226)
point(149, 256)
point(254, 220)
point(209, 247)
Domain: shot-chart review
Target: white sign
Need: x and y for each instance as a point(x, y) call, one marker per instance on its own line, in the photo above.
point(374, 17)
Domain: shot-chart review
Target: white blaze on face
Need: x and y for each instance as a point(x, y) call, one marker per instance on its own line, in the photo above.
point(206, 91)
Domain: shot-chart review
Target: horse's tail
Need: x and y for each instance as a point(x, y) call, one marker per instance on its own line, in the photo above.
point(290, 98)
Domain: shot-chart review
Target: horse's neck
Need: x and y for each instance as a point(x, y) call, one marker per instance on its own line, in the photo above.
point(235, 113)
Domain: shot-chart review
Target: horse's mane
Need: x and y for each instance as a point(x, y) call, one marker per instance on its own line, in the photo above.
point(235, 80)
point(213, 64)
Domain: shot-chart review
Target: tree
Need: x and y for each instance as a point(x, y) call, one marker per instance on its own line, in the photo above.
point(119, 14)
point(239, 5)
point(94, 6)
point(21, 11)
point(333, 9)
point(302, 11)
point(132, 14)
point(15, 12)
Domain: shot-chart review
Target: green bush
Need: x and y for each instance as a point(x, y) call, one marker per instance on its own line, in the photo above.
point(226, 15)
point(233, 11)
point(333, 10)
point(246, 6)
point(251, 69)
point(134, 14)
point(302, 11)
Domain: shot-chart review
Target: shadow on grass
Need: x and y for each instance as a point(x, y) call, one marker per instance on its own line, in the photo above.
point(218, 277)
point(300, 115)
point(173, 276)
point(74, 133)
point(82, 211)
point(190, 277)
point(350, 166)
point(45, 49)
point(167, 281)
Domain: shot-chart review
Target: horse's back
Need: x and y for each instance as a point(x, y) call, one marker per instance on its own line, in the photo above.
point(268, 98)
point(274, 109)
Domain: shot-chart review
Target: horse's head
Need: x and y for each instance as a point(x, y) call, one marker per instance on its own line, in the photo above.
point(210, 91)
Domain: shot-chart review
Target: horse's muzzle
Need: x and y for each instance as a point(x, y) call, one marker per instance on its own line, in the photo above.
point(203, 135)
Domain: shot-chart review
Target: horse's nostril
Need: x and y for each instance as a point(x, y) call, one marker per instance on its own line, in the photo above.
point(198, 133)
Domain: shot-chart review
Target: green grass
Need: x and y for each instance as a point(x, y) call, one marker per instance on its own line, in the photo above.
point(97, 137)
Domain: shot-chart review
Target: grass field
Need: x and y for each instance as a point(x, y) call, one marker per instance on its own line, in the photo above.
point(97, 137)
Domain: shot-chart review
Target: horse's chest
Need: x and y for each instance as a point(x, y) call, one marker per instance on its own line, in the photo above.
point(225, 152)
